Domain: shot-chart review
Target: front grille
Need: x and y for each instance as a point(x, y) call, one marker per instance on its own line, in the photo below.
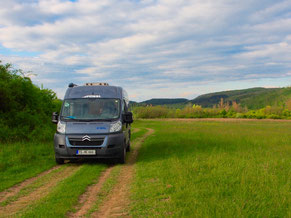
point(92, 142)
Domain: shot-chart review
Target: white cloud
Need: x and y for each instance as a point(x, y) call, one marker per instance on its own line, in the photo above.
point(151, 47)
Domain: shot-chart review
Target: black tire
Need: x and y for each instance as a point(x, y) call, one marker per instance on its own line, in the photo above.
point(128, 147)
point(122, 156)
point(60, 161)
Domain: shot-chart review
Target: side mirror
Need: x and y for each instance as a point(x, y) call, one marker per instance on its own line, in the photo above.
point(127, 117)
point(55, 117)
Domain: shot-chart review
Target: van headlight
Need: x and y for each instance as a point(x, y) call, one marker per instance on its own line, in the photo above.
point(61, 127)
point(115, 127)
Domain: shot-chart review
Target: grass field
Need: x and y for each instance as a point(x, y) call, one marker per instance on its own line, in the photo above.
point(22, 160)
point(185, 169)
point(214, 169)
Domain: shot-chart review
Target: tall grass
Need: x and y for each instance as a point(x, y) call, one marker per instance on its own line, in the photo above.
point(22, 160)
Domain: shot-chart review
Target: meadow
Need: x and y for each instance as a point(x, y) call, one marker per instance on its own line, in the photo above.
point(186, 168)
point(214, 169)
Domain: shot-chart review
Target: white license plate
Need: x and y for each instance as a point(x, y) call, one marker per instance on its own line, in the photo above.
point(86, 152)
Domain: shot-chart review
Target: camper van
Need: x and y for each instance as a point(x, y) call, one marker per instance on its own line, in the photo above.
point(94, 122)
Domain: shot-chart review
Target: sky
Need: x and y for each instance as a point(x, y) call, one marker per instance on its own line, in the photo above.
point(152, 48)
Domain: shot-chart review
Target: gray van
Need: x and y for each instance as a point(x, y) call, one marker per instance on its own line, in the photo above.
point(94, 122)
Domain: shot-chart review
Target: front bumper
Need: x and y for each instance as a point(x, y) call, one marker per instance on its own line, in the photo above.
point(112, 146)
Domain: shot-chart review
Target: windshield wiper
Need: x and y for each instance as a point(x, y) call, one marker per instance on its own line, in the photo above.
point(92, 120)
point(85, 120)
point(70, 117)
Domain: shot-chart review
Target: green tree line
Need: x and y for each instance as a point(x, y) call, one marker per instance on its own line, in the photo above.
point(25, 109)
point(221, 110)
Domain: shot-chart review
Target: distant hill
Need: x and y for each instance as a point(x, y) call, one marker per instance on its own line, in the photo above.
point(164, 101)
point(169, 102)
point(253, 98)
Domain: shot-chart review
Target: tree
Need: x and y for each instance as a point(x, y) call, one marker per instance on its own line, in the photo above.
point(25, 109)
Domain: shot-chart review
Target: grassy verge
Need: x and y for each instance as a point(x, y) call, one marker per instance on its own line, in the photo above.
point(214, 169)
point(19, 161)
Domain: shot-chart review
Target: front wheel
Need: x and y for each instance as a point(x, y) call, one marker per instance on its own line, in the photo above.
point(122, 156)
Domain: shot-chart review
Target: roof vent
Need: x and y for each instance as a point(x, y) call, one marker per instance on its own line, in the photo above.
point(71, 85)
point(96, 84)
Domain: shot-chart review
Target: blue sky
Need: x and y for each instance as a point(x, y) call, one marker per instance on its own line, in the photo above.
point(152, 48)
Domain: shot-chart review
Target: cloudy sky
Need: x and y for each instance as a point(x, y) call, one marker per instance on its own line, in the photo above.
point(152, 48)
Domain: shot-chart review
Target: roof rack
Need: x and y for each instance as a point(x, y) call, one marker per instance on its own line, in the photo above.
point(96, 84)
point(71, 85)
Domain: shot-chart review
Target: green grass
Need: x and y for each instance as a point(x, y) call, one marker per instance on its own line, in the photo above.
point(214, 169)
point(19, 161)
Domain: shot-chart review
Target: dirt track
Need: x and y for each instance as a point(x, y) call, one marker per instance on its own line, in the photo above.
point(23, 201)
point(88, 199)
point(116, 203)
point(15, 189)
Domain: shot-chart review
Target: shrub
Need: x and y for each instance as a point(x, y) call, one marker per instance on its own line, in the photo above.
point(150, 112)
point(273, 116)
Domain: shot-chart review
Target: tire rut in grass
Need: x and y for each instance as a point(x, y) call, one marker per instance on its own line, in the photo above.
point(117, 203)
point(24, 201)
point(135, 130)
point(88, 199)
point(15, 189)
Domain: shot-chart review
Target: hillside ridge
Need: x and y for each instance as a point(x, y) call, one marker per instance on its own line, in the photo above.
point(252, 98)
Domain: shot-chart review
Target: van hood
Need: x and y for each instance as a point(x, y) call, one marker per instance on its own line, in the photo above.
point(87, 127)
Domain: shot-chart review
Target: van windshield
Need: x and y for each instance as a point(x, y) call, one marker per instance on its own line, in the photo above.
point(90, 109)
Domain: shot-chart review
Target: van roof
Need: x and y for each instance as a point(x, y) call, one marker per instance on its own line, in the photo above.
point(93, 91)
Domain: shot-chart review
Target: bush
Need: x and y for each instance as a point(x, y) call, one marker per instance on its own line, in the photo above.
point(25, 108)
point(273, 116)
point(151, 112)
